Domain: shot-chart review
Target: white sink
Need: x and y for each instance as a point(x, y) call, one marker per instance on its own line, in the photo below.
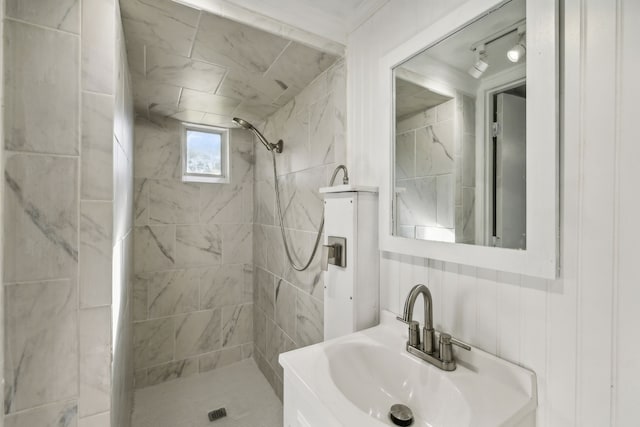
point(354, 380)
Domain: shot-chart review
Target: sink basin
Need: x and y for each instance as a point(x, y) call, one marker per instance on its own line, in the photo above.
point(354, 380)
point(362, 374)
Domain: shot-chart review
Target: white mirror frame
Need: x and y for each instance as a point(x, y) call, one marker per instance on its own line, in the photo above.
point(540, 259)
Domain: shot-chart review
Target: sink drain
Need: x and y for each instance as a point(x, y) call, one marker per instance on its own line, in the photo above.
point(401, 415)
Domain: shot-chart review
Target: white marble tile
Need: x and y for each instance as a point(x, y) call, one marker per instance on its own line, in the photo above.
point(311, 280)
point(173, 202)
point(153, 342)
point(469, 114)
point(277, 342)
point(63, 414)
point(167, 68)
point(197, 333)
point(420, 120)
point(41, 217)
point(264, 289)
point(445, 111)
point(157, 149)
point(201, 101)
point(223, 286)
point(254, 111)
point(96, 229)
point(435, 149)
point(285, 318)
point(198, 245)
point(247, 203)
point(246, 394)
point(406, 155)
point(154, 97)
point(469, 212)
point(41, 101)
point(41, 355)
point(301, 201)
point(154, 247)
point(169, 292)
point(468, 161)
point(217, 120)
point(259, 331)
point(220, 204)
point(161, 23)
point(264, 203)
point(309, 320)
point(322, 132)
point(171, 371)
point(294, 126)
point(237, 244)
point(99, 420)
point(96, 165)
point(237, 325)
point(242, 146)
point(141, 201)
point(274, 249)
point(139, 296)
point(189, 116)
point(60, 14)
point(95, 361)
point(242, 84)
point(98, 37)
point(408, 231)
point(140, 378)
point(220, 358)
point(436, 233)
point(231, 44)
point(417, 204)
point(445, 210)
point(259, 246)
point(247, 350)
point(298, 65)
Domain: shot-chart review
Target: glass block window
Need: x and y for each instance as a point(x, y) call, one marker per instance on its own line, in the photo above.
point(205, 154)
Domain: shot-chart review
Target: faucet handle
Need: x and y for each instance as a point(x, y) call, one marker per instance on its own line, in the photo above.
point(446, 353)
point(414, 331)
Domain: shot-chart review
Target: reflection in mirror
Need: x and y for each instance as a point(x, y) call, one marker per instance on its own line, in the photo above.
point(460, 139)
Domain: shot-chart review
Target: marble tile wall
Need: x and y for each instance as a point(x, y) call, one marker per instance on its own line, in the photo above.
point(288, 305)
point(206, 68)
point(466, 173)
point(193, 256)
point(435, 173)
point(58, 219)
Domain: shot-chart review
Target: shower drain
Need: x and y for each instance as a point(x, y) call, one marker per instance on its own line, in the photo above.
point(216, 414)
point(401, 415)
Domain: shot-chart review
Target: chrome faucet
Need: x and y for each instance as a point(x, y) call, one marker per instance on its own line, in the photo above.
point(427, 351)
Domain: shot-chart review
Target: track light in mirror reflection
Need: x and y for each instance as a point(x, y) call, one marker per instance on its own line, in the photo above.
point(480, 66)
point(519, 50)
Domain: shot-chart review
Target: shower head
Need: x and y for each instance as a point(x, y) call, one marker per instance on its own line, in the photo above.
point(246, 125)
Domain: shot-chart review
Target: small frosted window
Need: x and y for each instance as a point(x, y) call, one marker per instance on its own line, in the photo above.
point(205, 154)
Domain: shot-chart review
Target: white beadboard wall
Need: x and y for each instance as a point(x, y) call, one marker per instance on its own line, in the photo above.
point(578, 333)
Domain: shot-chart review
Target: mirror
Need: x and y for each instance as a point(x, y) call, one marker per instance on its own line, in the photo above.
point(460, 138)
point(467, 113)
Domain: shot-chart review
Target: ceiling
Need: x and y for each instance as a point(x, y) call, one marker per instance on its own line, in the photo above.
point(412, 98)
point(202, 68)
point(333, 19)
point(455, 51)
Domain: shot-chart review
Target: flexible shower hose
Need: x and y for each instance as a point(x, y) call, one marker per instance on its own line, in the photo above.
point(292, 262)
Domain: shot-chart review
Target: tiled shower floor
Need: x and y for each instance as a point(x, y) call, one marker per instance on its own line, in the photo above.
point(240, 388)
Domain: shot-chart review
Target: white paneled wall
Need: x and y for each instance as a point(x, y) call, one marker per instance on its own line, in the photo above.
point(578, 333)
point(1, 214)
